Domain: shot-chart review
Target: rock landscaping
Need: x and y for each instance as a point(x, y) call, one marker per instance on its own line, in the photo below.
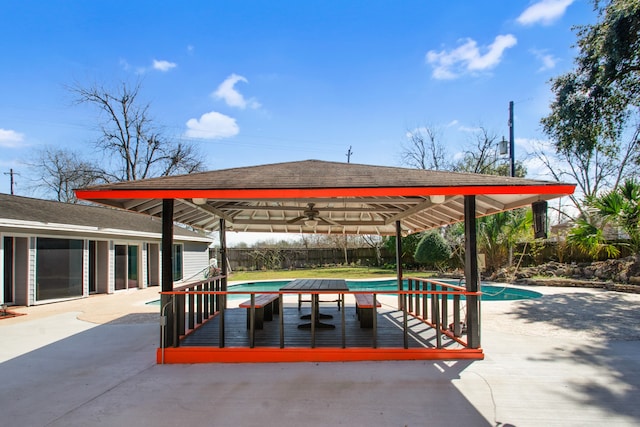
point(621, 275)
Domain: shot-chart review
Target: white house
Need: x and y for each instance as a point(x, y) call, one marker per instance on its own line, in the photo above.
point(52, 251)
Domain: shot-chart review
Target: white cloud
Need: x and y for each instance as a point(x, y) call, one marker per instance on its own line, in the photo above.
point(545, 12)
point(124, 64)
point(231, 96)
point(212, 125)
point(548, 61)
point(163, 66)
point(469, 129)
point(468, 57)
point(10, 138)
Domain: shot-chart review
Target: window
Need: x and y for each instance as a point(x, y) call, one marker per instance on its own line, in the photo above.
point(58, 268)
point(176, 258)
point(8, 270)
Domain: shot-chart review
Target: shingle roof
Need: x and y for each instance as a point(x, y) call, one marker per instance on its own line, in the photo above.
point(345, 197)
point(38, 211)
point(309, 174)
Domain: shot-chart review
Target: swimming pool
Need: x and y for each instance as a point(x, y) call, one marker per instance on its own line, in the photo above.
point(489, 292)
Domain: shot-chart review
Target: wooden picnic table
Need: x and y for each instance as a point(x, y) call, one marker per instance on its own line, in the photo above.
point(314, 286)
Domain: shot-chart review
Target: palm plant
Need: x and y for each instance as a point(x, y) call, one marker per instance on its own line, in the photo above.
point(622, 208)
point(497, 232)
point(619, 208)
point(587, 236)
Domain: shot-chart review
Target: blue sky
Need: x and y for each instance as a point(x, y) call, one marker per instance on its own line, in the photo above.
point(254, 82)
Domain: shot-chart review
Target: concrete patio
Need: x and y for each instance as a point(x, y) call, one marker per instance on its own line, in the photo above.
point(569, 358)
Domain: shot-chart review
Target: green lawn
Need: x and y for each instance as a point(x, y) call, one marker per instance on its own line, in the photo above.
point(328, 272)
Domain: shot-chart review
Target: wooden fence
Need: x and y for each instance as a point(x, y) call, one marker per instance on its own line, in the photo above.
point(285, 258)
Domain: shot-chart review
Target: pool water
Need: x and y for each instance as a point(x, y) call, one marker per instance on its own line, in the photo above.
point(489, 292)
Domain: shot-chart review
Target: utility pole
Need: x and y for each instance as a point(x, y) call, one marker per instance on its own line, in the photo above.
point(349, 153)
point(510, 149)
point(13, 183)
point(511, 140)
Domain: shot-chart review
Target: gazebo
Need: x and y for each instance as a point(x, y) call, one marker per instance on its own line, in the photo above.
point(326, 197)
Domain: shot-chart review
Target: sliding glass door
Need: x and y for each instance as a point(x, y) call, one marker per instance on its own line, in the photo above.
point(58, 268)
point(126, 266)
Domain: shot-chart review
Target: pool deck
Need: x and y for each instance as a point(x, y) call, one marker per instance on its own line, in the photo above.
point(569, 358)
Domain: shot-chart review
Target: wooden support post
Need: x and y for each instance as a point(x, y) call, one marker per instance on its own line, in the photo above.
point(436, 324)
point(374, 309)
point(281, 317)
point(472, 276)
point(191, 310)
point(344, 331)
point(445, 311)
point(457, 330)
point(399, 263)
point(405, 324)
point(222, 299)
point(410, 289)
point(167, 273)
point(425, 300)
point(252, 321)
point(180, 316)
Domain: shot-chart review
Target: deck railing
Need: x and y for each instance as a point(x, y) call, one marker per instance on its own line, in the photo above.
point(434, 303)
point(192, 305)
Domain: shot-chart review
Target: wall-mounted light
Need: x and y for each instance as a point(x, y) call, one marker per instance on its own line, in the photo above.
point(199, 201)
point(437, 198)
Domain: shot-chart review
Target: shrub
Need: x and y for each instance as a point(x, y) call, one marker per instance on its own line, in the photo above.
point(433, 251)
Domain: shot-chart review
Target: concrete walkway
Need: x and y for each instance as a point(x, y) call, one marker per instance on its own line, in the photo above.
point(570, 358)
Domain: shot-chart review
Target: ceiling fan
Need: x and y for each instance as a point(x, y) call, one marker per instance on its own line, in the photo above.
point(311, 217)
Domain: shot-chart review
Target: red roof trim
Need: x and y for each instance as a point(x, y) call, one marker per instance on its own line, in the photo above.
point(296, 193)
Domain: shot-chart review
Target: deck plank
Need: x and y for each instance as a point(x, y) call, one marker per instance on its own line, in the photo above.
point(389, 331)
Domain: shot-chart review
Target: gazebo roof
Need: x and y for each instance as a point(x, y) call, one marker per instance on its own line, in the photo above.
point(323, 197)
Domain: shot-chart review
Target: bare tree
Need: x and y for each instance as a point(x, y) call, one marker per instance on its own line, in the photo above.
point(592, 170)
point(130, 138)
point(483, 157)
point(423, 150)
point(60, 171)
point(376, 242)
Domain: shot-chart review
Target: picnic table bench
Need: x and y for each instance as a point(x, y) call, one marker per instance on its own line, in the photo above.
point(364, 309)
point(266, 306)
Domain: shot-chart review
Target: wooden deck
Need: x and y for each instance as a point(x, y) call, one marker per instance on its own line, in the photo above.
point(202, 345)
point(389, 331)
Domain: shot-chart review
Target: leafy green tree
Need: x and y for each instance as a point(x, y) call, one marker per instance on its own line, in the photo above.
point(409, 244)
point(433, 250)
point(594, 117)
point(609, 63)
